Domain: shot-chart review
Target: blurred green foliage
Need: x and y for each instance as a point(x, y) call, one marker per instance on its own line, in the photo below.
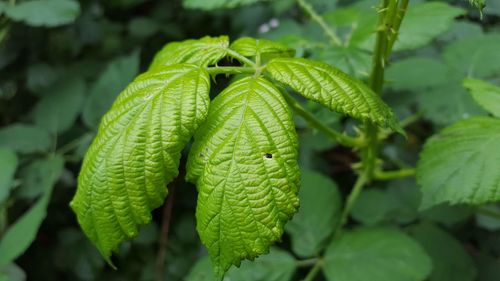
point(63, 62)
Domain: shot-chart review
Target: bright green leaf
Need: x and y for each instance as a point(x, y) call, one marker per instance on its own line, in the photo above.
point(334, 89)
point(57, 111)
point(308, 230)
point(460, 164)
point(47, 13)
point(203, 52)
point(424, 22)
point(278, 265)
point(451, 262)
point(136, 153)
point(8, 164)
point(376, 254)
point(217, 4)
point(266, 49)
point(22, 233)
point(485, 94)
point(112, 80)
point(244, 163)
point(25, 138)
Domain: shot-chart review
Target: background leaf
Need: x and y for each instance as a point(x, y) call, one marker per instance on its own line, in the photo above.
point(308, 230)
point(217, 4)
point(25, 138)
point(111, 82)
point(485, 94)
point(22, 233)
point(450, 260)
point(376, 254)
point(44, 12)
point(8, 162)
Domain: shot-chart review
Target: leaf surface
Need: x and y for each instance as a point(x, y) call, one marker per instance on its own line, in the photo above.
point(376, 254)
point(244, 163)
point(203, 52)
point(21, 234)
point(47, 13)
point(8, 164)
point(217, 4)
point(461, 164)
point(309, 230)
point(333, 88)
point(485, 94)
point(25, 138)
point(136, 153)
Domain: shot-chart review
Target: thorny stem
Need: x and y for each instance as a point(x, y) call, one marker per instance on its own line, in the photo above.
point(165, 227)
point(315, 123)
point(316, 17)
point(396, 24)
point(351, 199)
point(230, 70)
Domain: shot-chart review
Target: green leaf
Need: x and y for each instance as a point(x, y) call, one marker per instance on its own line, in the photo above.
point(33, 177)
point(136, 153)
point(57, 112)
point(424, 22)
point(22, 233)
point(266, 49)
point(8, 162)
point(460, 164)
point(448, 215)
point(430, 72)
point(12, 272)
point(473, 56)
point(244, 163)
point(485, 94)
point(486, 221)
point(203, 52)
point(217, 4)
point(334, 89)
point(112, 80)
point(309, 231)
point(47, 13)
point(372, 207)
point(278, 265)
point(25, 138)
point(376, 254)
point(451, 261)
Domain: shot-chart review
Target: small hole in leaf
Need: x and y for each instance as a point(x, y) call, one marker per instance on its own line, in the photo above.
point(268, 155)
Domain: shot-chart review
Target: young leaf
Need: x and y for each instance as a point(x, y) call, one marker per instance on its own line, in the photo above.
point(451, 261)
point(308, 230)
point(251, 47)
point(244, 163)
point(20, 234)
point(48, 13)
point(8, 162)
point(334, 89)
point(136, 153)
point(485, 94)
point(202, 52)
point(376, 254)
point(460, 164)
point(25, 138)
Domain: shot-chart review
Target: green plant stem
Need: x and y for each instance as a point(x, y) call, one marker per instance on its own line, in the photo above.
point(389, 175)
point(316, 17)
point(306, 263)
point(396, 24)
point(351, 199)
point(240, 57)
point(230, 70)
point(315, 123)
point(488, 212)
point(314, 271)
